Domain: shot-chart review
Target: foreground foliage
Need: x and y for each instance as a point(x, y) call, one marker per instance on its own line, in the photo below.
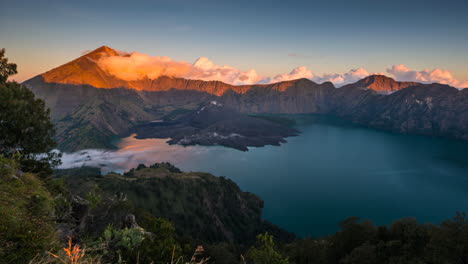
point(25, 127)
point(155, 240)
point(264, 251)
point(32, 214)
point(404, 241)
point(25, 214)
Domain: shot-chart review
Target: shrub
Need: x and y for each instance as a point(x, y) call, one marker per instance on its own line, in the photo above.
point(25, 214)
point(264, 252)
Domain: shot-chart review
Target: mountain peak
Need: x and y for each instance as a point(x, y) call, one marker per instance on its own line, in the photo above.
point(104, 49)
point(99, 52)
point(382, 83)
point(379, 77)
point(85, 70)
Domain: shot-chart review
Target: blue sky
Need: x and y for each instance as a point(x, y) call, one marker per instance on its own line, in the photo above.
point(272, 37)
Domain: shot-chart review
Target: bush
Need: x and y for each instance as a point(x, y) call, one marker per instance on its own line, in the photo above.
point(25, 215)
point(264, 251)
point(122, 243)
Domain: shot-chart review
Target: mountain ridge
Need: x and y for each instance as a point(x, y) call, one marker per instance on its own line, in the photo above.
point(85, 70)
point(87, 116)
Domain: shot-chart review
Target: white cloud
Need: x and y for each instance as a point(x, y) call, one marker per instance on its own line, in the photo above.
point(296, 73)
point(351, 76)
point(136, 66)
point(205, 69)
point(403, 73)
point(337, 79)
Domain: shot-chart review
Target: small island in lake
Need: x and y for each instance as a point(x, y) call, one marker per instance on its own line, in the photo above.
point(216, 124)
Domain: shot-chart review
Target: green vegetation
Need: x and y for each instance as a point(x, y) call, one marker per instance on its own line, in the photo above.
point(164, 165)
point(6, 69)
point(26, 209)
point(159, 214)
point(264, 251)
point(33, 215)
point(156, 194)
point(188, 199)
point(122, 242)
point(25, 127)
point(404, 241)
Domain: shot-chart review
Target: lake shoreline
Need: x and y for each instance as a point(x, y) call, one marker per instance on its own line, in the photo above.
point(331, 171)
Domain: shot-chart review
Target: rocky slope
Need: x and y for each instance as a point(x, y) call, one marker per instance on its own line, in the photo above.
point(91, 106)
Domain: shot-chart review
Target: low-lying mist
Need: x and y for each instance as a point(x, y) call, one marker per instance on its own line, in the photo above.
point(130, 153)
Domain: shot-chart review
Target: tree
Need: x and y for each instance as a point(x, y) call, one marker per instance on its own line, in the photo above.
point(365, 254)
point(309, 250)
point(352, 235)
point(6, 69)
point(449, 242)
point(163, 244)
point(26, 131)
point(264, 251)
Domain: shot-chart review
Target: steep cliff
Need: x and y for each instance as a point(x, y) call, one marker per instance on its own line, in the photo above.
point(201, 206)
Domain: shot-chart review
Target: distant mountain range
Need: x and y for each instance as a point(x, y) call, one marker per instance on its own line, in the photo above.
point(91, 106)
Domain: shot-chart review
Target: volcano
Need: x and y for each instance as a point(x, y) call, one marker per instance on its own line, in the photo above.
point(91, 106)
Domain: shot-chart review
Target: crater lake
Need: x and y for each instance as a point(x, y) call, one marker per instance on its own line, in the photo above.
point(331, 171)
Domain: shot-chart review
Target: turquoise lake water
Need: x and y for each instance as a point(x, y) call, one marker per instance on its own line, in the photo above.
point(328, 173)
